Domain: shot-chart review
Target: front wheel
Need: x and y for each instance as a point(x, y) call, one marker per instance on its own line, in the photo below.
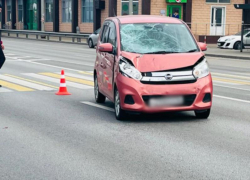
point(99, 97)
point(120, 114)
point(237, 45)
point(91, 44)
point(202, 114)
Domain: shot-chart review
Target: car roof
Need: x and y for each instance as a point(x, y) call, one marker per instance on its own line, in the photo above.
point(146, 19)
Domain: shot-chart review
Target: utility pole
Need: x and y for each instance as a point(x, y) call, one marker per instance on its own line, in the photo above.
point(42, 14)
point(130, 7)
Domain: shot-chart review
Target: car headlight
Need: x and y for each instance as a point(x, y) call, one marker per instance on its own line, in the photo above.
point(129, 70)
point(201, 70)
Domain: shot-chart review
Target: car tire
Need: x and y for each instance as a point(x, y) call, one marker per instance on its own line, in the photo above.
point(99, 97)
point(237, 45)
point(203, 114)
point(120, 114)
point(90, 43)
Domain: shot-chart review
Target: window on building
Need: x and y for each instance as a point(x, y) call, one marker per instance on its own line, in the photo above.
point(218, 1)
point(66, 11)
point(49, 11)
point(20, 10)
point(125, 7)
point(87, 10)
point(8, 10)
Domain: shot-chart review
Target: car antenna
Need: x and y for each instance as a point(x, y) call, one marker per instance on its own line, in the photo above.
point(114, 12)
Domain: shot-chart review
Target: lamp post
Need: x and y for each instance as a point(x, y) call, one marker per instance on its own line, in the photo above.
point(130, 7)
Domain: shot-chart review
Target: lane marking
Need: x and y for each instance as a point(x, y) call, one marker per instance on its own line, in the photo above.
point(229, 75)
point(31, 81)
point(14, 86)
point(3, 90)
point(77, 80)
point(232, 87)
point(86, 72)
point(233, 99)
point(25, 83)
point(89, 78)
point(59, 67)
point(231, 81)
point(54, 80)
point(98, 106)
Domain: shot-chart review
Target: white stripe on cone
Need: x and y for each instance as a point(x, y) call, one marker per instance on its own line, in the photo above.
point(63, 85)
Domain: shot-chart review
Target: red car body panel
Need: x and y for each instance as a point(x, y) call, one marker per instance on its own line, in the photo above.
point(160, 62)
point(109, 77)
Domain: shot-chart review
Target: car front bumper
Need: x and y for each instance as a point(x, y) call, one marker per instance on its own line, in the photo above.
point(225, 45)
point(138, 91)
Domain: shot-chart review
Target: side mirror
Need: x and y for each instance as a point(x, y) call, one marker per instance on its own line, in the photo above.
point(106, 47)
point(202, 46)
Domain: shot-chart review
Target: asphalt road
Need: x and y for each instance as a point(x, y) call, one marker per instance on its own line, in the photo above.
point(44, 136)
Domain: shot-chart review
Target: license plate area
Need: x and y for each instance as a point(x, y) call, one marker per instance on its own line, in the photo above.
point(169, 101)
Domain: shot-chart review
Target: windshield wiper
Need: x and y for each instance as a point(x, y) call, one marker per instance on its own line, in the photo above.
point(162, 52)
point(192, 50)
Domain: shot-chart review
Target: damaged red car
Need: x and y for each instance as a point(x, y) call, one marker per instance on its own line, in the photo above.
point(151, 64)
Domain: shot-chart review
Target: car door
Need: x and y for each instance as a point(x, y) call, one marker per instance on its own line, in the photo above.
point(100, 68)
point(248, 39)
point(109, 61)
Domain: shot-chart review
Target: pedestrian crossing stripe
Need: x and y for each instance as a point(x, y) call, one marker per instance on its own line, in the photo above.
point(14, 86)
point(86, 72)
point(31, 81)
point(56, 80)
point(68, 78)
point(38, 81)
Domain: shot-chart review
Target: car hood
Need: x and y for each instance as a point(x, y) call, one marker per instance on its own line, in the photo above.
point(161, 62)
point(222, 39)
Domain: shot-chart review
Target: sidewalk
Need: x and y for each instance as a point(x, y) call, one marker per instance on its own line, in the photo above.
point(213, 51)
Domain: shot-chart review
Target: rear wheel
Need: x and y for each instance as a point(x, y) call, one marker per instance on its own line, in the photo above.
point(202, 114)
point(99, 97)
point(120, 114)
point(91, 44)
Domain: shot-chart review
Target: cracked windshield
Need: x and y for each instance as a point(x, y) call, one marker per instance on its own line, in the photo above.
point(156, 38)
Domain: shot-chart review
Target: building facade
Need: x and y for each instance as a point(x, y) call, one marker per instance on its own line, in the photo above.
point(205, 17)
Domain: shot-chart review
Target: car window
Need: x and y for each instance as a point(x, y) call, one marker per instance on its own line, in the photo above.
point(105, 32)
point(97, 31)
point(248, 35)
point(112, 34)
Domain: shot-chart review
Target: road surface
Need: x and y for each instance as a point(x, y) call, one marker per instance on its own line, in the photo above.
point(44, 136)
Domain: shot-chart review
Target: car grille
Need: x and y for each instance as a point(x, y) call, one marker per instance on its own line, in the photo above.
point(188, 99)
point(222, 43)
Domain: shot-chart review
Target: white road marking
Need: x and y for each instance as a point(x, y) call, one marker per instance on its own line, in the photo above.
point(60, 67)
point(221, 82)
point(231, 87)
point(98, 106)
point(55, 80)
point(78, 76)
point(26, 83)
point(220, 75)
point(233, 99)
point(2, 89)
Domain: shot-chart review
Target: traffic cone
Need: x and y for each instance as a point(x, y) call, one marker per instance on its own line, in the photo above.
point(63, 88)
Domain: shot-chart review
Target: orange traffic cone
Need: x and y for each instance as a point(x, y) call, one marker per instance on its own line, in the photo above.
point(63, 88)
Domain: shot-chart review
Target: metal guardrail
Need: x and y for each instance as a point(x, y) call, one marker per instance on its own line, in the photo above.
point(44, 35)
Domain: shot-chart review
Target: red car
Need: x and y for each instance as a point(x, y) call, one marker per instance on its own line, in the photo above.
point(151, 64)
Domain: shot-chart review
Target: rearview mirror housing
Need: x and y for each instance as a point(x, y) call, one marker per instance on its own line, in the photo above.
point(106, 47)
point(202, 46)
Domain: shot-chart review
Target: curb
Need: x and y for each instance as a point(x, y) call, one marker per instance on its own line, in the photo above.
point(226, 56)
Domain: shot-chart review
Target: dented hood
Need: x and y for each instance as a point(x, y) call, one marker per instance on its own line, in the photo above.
point(160, 62)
